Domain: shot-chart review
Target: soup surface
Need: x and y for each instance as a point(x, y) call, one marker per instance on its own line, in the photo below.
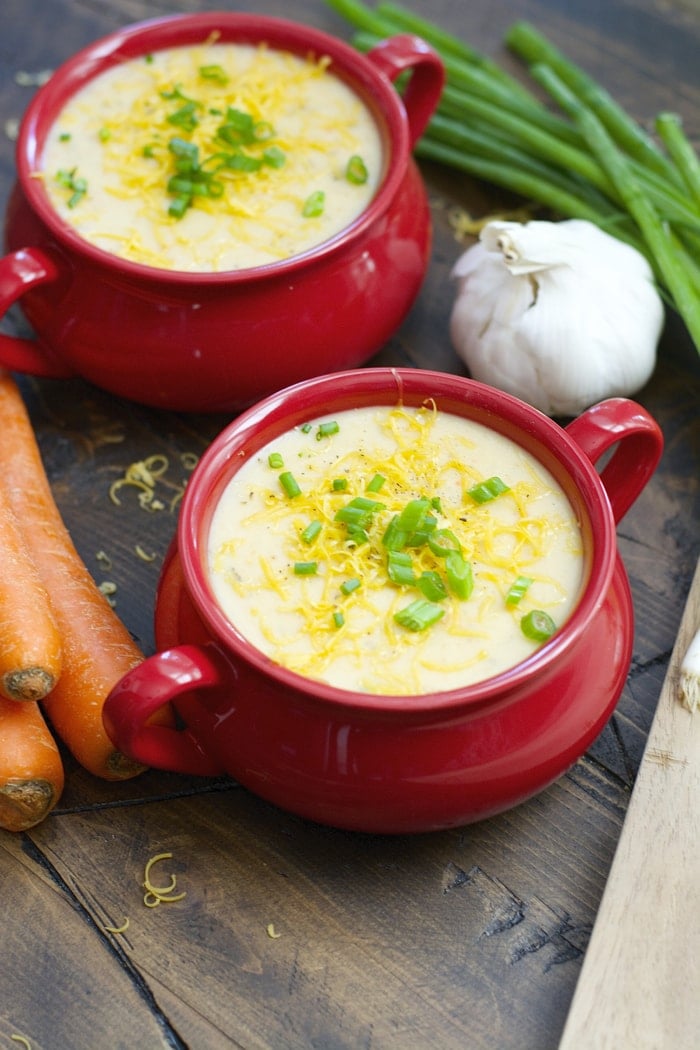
point(395, 551)
point(213, 158)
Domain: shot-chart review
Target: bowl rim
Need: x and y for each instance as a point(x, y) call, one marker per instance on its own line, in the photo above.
point(132, 41)
point(387, 385)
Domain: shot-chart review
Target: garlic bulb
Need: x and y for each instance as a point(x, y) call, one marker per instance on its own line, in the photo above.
point(559, 314)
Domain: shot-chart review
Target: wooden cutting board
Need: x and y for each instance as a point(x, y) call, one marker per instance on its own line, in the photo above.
point(639, 988)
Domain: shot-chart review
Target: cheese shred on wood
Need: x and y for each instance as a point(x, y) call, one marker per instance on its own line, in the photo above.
point(156, 895)
point(304, 569)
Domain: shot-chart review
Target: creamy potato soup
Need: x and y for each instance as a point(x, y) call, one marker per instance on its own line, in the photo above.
point(212, 158)
point(395, 551)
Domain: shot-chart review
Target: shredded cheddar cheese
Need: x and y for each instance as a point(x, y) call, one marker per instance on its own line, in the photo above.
point(156, 895)
point(108, 588)
point(213, 157)
point(143, 476)
point(344, 618)
point(118, 929)
point(144, 555)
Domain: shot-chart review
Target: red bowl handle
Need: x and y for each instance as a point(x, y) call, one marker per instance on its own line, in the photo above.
point(639, 443)
point(396, 55)
point(19, 271)
point(146, 690)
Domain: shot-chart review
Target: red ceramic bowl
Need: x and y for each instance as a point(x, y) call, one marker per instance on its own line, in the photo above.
point(215, 342)
point(377, 763)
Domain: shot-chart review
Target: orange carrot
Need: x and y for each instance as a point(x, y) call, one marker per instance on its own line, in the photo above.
point(97, 648)
point(30, 644)
point(31, 771)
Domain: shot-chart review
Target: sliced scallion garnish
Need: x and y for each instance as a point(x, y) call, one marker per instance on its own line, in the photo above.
point(459, 575)
point(431, 585)
point(290, 484)
point(400, 568)
point(487, 490)
point(326, 429)
point(314, 204)
point(537, 625)
point(419, 615)
point(517, 590)
point(311, 531)
point(305, 568)
point(73, 182)
point(356, 170)
point(442, 542)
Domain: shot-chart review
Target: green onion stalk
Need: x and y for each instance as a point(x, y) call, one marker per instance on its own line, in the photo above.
point(590, 160)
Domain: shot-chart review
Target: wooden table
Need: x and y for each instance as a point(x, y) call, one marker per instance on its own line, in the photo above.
point(472, 938)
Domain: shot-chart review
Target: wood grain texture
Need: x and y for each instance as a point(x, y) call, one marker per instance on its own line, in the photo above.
point(466, 939)
point(638, 986)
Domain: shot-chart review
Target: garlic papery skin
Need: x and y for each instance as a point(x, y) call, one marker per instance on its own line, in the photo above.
point(560, 314)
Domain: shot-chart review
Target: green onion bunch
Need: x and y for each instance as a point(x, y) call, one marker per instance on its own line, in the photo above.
point(586, 159)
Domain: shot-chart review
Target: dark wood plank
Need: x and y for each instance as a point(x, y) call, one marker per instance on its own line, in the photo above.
point(469, 938)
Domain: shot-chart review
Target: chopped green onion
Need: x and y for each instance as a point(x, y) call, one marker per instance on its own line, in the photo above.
point(289, 484)
point(238, 129)
point(357, 534)
point(179, 205)
point(400, 568)
point(305, 428)
point(340, 484)
point(419, 615)
point(442, 541)
point(104, 134)
point(537, 625)
point(517, 590)
point(305, 568)
point(185, 117)
point(487, 490)
point(365, 503)
point(353, 516)
point(358, 511)
point(275, 460)
point(72, 182)
point(422, 534)
point(356, 171)
point(314, 205)
point(176, 93)
point(431, 585)
point(185, 153)
point(242, 162)
point(348, 586)
point(216, 73)
point(311, 531)
point(413, 515)
point(376, 483)
point(326, 429)
point(459, 575)
point(394, 538)
point(274, 157)
point(338, 619)
point(64, 136)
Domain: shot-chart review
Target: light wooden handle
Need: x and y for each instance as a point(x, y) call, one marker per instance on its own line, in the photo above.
point(639, 984)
